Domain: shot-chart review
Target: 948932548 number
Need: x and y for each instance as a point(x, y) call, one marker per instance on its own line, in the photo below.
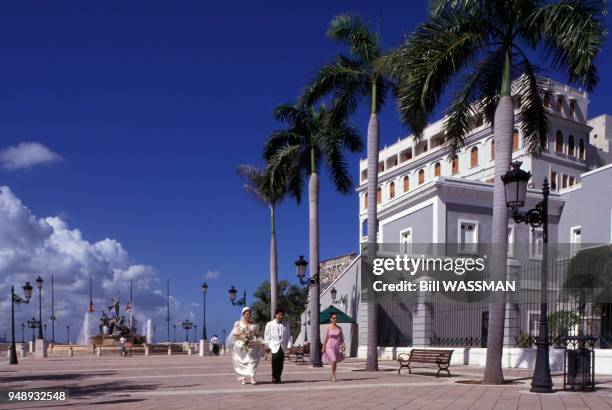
point(12, 396)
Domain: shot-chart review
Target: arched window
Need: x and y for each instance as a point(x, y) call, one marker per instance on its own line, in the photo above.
point(559, 103)
point(392, 190)
point(437, 168)
point(581, 149)
point(474, 157)
point(378, 196)
point(570, 146)
point(492, 150)
point(421, 176)
point(546, 100)
point(365, 201)
point(559, 142)
point(406, 183)
point(515, 139)
point(455, 165)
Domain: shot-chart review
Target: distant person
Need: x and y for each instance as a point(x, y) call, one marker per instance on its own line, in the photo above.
point(333, 346)
point(214, 341)
point(122, 349)
point(277, 336)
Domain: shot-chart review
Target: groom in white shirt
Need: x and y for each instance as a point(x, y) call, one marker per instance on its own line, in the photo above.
point(277, 337)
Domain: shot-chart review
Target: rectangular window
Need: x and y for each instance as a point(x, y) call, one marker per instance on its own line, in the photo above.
point(468, 237)
point(406, 241)
point(536, 244)
point(553, 181)
point(564, 181)
point(510, 241)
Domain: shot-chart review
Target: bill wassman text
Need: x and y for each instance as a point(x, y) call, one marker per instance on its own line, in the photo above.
point(446, 286)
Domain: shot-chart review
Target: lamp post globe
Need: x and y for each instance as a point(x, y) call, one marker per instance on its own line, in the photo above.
point(232, 293)
point(334, 293)
point(515, 186)
point(300, 268)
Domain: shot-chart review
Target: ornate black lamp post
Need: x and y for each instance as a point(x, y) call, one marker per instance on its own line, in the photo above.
point(45, 331)
point(17, 300)
point(39, 285)
point(23, 333)
point(300, 267)
point(174, 334)
point(195, 332)
point(52, 318)
point(232, 295)
point(187, 325)
point(515, 183)
point(204, 291)
point(68, 334)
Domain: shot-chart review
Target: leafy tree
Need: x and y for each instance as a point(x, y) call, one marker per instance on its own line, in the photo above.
point(291, 297)
point(350, 80)
point(312, 138)
point(259, 184)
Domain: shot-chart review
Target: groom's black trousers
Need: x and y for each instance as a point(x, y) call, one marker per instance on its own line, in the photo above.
point(278, 359)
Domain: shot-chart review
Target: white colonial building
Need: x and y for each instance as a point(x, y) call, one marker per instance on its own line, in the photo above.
point(427, 197)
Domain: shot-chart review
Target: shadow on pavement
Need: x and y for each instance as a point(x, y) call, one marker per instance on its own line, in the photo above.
point(115, 388)
point(52, 377)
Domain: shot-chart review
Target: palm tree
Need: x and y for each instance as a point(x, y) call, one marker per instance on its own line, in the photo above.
point(311, 137)
point(484, 46)
point(259, 184)
point(350, 80)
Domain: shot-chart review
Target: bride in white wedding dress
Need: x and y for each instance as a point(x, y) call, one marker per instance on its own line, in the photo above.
point(246, 345)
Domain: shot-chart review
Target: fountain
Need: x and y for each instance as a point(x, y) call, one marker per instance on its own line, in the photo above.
point(112, 328)
point(87, 330)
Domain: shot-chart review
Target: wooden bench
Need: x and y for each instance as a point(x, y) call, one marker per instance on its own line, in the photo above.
point(299, 352)
point(438, 357)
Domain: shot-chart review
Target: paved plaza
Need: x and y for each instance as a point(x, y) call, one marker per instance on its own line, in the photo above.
point(193, 382)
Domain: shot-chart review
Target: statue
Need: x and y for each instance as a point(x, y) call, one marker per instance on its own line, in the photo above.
point(113, 325)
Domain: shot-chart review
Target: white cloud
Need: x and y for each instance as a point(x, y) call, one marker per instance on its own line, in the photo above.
point(212, 274)
point(27, 155)
point(32, 246)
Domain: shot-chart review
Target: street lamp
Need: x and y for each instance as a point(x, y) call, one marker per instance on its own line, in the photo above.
point(68, 334)
point(17, 300)
point(174, 334)
point(204, 291)
point(300, 267)
point(23, 333)
point(52, 317)
point(342, 301)
point(515, 185)
point(195, 332)
point(39, 285)
point(232, 295)
point(32, 324)
point(187, 325)
point(315, 295)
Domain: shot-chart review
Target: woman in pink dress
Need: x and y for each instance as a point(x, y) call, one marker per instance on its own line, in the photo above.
point(333, 346)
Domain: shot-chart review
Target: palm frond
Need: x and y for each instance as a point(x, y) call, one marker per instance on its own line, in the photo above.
point(340, 73)
point(438, 50)
point(534, 122)
point(350, 30)
point(573, 33)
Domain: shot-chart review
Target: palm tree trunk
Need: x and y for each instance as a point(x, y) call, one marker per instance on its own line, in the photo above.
point(372, 155)
point(313, 214)
point(273, 265)
point(504, 125)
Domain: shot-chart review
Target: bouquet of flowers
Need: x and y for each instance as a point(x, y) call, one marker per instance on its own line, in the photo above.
point(246, 339)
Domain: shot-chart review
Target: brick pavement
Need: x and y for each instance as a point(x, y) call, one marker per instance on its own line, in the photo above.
point(193, 382)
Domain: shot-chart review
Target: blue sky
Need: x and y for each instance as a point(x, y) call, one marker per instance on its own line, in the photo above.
point(152, 105)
